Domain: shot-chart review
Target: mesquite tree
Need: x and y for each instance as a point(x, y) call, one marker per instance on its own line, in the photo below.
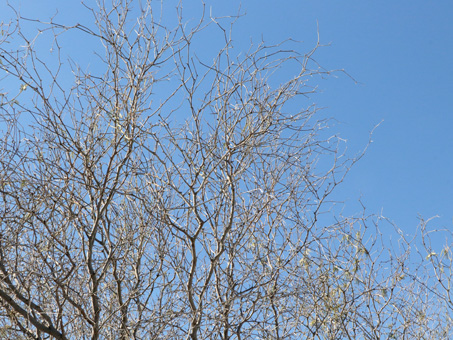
point(160, 194)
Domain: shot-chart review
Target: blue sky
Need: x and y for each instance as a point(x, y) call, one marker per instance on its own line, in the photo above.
point(400, 54)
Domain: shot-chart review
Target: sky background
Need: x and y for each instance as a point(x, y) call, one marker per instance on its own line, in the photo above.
point(399, 52)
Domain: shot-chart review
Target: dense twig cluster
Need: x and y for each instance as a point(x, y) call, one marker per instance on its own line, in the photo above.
point(168, 197)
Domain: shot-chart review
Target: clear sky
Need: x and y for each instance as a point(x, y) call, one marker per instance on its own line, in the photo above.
point(400, 53)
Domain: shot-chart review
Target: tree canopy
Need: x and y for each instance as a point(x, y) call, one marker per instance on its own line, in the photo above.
point(163, 194)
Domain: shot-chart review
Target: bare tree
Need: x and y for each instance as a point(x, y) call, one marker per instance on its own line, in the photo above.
point(163, 195)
